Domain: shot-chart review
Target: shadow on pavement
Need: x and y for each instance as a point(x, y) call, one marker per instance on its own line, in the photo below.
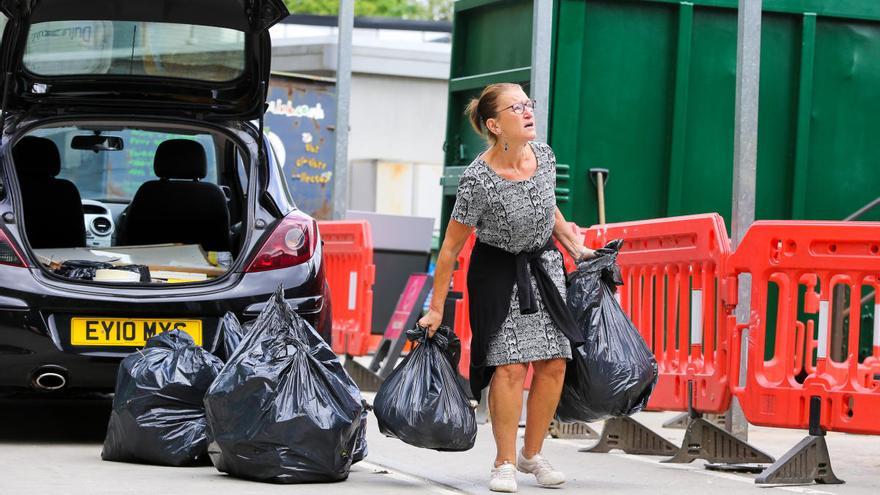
point(28, 419)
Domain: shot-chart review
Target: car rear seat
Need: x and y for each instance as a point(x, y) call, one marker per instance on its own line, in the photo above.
point(53, 213)
point(179, 207)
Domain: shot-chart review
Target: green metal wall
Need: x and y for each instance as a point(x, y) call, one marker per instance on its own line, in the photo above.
point(646, 89)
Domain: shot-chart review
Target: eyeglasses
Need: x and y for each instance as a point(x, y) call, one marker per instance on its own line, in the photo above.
point(519, 107)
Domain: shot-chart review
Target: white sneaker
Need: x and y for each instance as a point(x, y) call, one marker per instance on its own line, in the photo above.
point(541, 468)
point(503, 478)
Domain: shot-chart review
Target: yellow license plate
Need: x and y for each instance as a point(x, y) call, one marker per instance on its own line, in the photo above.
point(128, 332)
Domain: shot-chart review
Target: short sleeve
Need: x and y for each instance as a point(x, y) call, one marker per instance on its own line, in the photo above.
point(470, 201)
point(551, 157)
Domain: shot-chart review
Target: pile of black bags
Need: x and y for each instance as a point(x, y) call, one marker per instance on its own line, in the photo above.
point(283, 409)
point(158, 416)
point(614, 372)
point(421, 402)
point(230, 335)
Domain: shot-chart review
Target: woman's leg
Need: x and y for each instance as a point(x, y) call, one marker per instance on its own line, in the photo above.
point(505, 409)
point(543, 399)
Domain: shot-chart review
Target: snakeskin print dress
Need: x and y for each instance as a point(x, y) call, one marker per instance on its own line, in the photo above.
point(517, 216)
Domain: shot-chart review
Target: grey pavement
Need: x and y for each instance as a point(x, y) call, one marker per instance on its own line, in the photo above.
point(855, 459)
point(54, 448)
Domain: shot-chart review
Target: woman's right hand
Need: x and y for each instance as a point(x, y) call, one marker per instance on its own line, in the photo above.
point(431, 321)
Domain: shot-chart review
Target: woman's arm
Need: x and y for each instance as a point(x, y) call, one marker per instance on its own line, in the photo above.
point(571, 239)
point(456, 235)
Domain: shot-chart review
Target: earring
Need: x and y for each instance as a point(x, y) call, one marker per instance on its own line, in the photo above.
point(505, 145)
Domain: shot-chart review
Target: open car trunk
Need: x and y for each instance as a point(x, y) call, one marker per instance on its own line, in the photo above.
point(105, 202)
point(155, 263)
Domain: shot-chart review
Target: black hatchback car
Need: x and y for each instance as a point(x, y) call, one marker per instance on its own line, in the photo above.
point(137, 191)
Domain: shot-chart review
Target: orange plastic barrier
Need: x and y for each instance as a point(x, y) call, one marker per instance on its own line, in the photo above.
point(809, 258)
point(350, 272)
point(672, 269)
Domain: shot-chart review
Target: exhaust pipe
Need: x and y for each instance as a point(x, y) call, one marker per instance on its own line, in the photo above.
point(50, 378)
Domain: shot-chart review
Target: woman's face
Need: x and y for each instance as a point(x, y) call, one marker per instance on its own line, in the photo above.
point(512, 125)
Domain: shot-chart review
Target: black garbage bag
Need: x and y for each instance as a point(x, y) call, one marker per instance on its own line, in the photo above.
point(158, 414)
point(81, 269)
point(360, 445)
point(230, 333)
point(283, 409)
point(421, 402)
point(614, 372)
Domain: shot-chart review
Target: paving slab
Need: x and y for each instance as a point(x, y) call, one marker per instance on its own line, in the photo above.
point(53, 447)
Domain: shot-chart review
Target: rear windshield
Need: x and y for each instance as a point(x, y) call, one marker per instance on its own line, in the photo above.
point(185, 51)
point(114, 176)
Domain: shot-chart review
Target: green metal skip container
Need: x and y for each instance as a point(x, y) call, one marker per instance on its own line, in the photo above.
point(645, 89)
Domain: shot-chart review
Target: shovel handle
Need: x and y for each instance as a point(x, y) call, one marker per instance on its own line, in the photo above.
point(599, 176)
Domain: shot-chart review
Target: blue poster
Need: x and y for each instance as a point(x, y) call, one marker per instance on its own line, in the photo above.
point(301, 123)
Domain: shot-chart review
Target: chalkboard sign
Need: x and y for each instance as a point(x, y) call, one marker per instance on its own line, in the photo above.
point(133, 166)
point(117, 175)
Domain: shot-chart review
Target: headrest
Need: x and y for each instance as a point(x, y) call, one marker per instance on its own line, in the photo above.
point(36, 157)
point(180, 159)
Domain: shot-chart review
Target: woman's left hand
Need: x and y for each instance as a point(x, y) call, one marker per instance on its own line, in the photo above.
point(585, 254)
point(571, 238)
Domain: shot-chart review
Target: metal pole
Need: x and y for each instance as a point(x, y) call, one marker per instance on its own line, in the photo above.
point(542, 33)
point(542, 37)
point(745, 156)
point(861, 211)
point(343, 98)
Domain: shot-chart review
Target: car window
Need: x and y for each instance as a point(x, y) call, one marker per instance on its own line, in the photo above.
point(277, 161)
point(117, 175)
point(242, 171)
point(156, 49)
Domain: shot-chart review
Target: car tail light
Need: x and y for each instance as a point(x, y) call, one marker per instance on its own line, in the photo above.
point(9, 254)
point(291, 243)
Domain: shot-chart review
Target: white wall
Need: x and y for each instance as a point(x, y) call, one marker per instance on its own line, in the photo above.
point(397, 119)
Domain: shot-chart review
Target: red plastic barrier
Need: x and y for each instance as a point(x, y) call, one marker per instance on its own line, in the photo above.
point(671, 269)
point(462, 320)
point(873, 361)
point(813, 257)
point(350, 272)
point(567, 260)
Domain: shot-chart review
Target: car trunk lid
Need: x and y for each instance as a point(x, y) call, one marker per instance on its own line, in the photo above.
point(197, 58)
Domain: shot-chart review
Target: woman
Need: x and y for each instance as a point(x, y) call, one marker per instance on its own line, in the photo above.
point(516, 280)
